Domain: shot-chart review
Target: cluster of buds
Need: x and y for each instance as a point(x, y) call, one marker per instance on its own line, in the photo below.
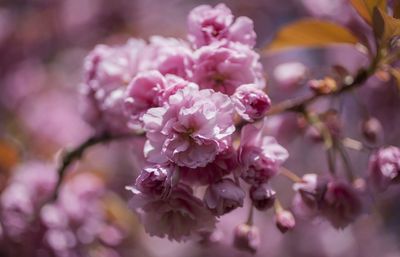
point(372, 130)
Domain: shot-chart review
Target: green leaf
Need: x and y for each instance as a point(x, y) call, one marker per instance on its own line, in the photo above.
point(366, 8)
point(385, 26)
point(310, 33)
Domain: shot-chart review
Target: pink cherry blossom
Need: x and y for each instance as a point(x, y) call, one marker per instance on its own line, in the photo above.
point(74, 223)
point(226, 66)
point(178, 217)
point(330, 197)
point(259, 157)
point(342, 203)
point(143, 93)
point(173, 84)
point(157, 180)
point(31, 185)
point(384, 168)
point(108, 70)
point(207, 25)
point(191, 129)
point(169, 56)
point(251, 103)
point(223, 196)
point(225, 163)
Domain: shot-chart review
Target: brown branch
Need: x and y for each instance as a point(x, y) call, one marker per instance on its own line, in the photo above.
point(76, 154)
point(299, 105)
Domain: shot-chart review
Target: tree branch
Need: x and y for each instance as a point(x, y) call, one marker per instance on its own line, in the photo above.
point(76, 154)
point(299, 105)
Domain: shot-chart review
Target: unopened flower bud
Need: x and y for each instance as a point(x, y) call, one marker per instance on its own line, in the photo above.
point(223, 196)
point(372, 130)
point(250, 102)
point(284, 220)
point(157, 180)
point(262, 196)
point(324, 86)
point(312, 189)
point(247, 238)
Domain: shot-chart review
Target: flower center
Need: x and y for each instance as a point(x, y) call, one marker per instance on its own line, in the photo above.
point(219, 78)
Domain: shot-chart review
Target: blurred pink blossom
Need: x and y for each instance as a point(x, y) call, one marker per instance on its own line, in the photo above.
point(207, 25)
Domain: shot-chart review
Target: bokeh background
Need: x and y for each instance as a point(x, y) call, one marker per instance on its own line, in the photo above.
point(42, 47)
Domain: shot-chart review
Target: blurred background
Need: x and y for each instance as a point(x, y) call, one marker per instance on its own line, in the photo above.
point(42, 47)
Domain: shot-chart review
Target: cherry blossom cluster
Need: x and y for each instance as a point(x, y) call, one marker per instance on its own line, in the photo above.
point(187, 98)
point(197, 103)
point(74, 225)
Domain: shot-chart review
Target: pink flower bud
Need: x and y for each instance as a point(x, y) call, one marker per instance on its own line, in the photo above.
point(157, 180)
point(260, 157)
point(246, 238)
point(262, 196)
point(223, 197)
point(312, 189)
point(372, 130)
point(284, 220)
point(384, 168)
point(250, 102)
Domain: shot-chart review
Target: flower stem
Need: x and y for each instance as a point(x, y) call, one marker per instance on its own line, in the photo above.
point(250, 217)
point(313, 120)
point(346, 160)
point(277, 206)
point(290, 175)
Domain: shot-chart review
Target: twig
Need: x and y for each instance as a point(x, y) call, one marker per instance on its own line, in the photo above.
point(326, 135)
point(290, 175)
point(77, 153)
point(299, 105)
point(346, 160)
point(250, 217)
